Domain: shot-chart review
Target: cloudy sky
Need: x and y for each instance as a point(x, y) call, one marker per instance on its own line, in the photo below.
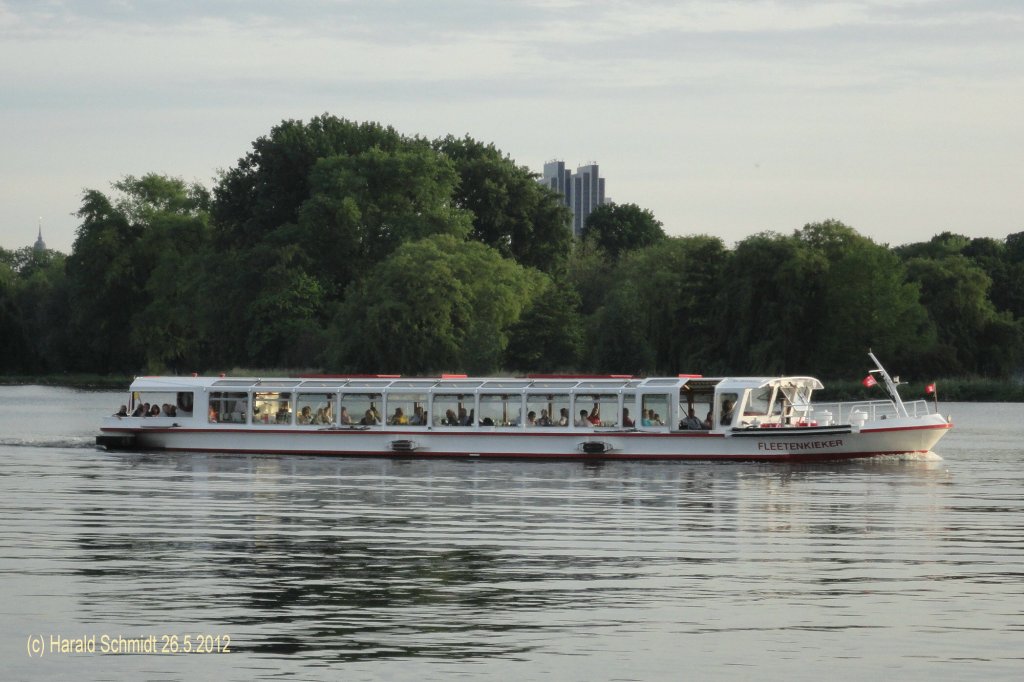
point(902, 118)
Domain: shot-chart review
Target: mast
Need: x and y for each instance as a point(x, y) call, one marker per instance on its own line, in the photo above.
point(890, 386)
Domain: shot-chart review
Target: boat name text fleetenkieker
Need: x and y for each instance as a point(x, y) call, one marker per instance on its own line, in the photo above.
point(809, 445)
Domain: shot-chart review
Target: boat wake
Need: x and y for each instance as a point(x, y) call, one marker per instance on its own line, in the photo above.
point(65, 442)
point(907, 457)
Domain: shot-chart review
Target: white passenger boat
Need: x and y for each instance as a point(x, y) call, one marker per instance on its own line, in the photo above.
point(587, 417)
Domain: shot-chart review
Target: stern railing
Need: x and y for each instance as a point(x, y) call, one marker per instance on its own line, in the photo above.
point(864, 411)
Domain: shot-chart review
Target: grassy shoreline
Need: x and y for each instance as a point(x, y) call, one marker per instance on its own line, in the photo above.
point(952, 390)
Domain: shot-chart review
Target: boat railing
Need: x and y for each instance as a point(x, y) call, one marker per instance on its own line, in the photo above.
point(864, 411)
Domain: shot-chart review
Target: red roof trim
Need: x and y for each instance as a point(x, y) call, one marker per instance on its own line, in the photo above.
point(349, 376)
point(579, 376)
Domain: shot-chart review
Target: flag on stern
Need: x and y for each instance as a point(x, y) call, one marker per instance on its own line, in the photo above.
point(869, 381)
point(930, 388)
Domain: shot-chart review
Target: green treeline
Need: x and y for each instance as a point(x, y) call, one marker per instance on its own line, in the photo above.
point(349, 247)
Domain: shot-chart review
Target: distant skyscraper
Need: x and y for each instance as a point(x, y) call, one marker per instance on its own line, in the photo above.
point(582, 192)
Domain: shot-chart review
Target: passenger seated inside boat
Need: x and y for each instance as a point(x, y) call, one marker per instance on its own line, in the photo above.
point(691, 421)
point(140, 410)
point(531, 418)
point(345, 417)
point(123, 412)
point(543, 419)
point(399, 418)
point(563, 419)
point(154, 411)
point(595, 415)
point(304, 416)
point(626, 421)
point(369, 419)
point(583, 421)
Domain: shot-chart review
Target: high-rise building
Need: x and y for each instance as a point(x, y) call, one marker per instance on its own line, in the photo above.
point(582, 192)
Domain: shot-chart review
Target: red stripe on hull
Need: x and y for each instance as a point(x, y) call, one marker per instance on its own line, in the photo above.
point(789, 457)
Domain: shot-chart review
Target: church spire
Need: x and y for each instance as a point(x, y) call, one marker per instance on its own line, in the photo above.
point(40, 245)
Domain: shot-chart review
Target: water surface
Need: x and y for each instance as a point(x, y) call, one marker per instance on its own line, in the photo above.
point(321, 568)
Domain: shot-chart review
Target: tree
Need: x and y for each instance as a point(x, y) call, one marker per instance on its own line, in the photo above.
point(168, 329)
point(955, 292)
point(868, 304)
point(512, 212)
point(40, 293)
point(151, 222)
point(434, 304)
point(268, 186)
point(362, 206)
point(617, 228)
point(549, 335)
point(105, 287)
point(939, 246)
point(660, 314)
point(770, 293)
point(14, 348)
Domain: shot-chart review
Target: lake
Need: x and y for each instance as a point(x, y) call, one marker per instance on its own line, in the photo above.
point(321, 568)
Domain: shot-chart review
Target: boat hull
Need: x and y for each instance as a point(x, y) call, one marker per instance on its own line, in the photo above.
point(791, 444)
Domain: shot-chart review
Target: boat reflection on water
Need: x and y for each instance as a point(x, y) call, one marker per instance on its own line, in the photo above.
point(355, 559)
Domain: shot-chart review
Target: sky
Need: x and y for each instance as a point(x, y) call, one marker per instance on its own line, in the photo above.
point(902, 118)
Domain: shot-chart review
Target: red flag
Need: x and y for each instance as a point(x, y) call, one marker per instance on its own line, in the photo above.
point(869, 381)
point(930, 388)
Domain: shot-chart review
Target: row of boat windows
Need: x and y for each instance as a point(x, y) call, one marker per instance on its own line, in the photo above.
point(370, 409)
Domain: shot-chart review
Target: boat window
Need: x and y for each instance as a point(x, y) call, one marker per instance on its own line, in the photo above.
point(407, 409)
point(726, 404)
point(597, 409)
point(654, 409)
point(560, 384)
point(758, 402)
point(500, 410)
point(701, 403)
point(449, 384)
point(157, 404)
point(228, 408)
point(271, 407)
point(629, 410)
point(360, 408)
point(453, 410)
point(548, 409)
point(414, 383)
point(329, 383)
point(184, 402)
point(315, 408)
point(603, 383)
point(511, 383)
point(276, 385)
